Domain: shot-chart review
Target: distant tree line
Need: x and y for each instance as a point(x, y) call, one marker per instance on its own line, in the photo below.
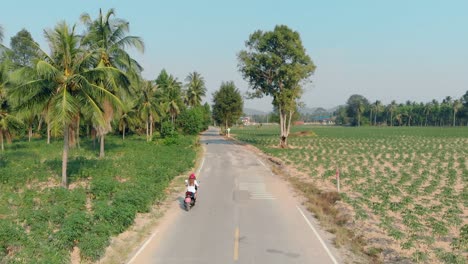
point(359, 111)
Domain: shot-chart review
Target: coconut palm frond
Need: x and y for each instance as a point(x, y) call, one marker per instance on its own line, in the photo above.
point(46, 70)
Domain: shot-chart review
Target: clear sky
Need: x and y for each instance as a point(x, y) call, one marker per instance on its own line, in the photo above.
point(384, 50)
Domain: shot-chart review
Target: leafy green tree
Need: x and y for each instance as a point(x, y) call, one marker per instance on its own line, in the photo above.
point(274, 64)
point(356, 105)
point(66, 81)
point(341, 116)
point(1, 39)
point(228, 104)
point(23, 49)
point(196, 89)
point(192, 120)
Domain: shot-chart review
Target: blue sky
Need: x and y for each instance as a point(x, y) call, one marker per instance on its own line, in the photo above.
point(385, 50)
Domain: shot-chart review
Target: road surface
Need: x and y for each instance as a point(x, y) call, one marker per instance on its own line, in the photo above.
point(244, 214)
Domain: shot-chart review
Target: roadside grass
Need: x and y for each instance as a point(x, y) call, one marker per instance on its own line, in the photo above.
point(41, 222)
point(408, 185)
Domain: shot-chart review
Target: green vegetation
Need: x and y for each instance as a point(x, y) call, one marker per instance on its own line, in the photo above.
point(359, 111)
point(412, 180)
point(42, 222)
point(228, 104)
point(275, 63)
point(89, 84)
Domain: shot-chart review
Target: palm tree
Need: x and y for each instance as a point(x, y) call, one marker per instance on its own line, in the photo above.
point(173, 97)
point(170, 88)
point(127, 116)
point(196, 89)
point(360, 107)
point(148, 104)
point(457, 105)
point(69, 75)
point(108, 36)
point(392, 108)
point(427, 110)
point(377, 110)
point(8, 122)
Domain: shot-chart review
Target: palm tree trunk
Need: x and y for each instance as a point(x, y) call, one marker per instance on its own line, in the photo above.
point(65, 155)
point(101, 152)
point(39, 126)
point(147, 130)
point(454, 113)
point(30, 132)
point(370, 117)
point(151, 127)
point(1, 140)
point(78, 132)
point(375, 119)
point(48, 132)
point(123, 132)
point(359, 120)
point(391, 119)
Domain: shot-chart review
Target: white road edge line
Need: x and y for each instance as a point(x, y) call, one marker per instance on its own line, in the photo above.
point(142, 247)
point(152, 236)
point(262, 163)
point(201, 166)
point(318, 236)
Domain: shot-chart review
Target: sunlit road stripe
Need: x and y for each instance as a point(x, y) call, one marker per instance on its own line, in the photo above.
point(318, 236)
point(142, 247)
point(257, 190)
point(262, 163)
point(236, 244)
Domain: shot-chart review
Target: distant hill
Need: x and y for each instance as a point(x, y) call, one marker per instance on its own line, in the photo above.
point(303, 111)
point(316, 110)
point(250, 111)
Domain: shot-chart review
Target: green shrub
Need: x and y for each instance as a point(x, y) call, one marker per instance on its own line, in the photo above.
point(103, 187)
point(168, 130)
point(72, 230)
point(92, 245)
point(11, 236)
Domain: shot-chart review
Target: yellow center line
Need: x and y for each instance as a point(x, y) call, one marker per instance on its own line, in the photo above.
point(236, 244)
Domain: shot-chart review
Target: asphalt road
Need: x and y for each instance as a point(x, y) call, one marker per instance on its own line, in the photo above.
point(244, 214)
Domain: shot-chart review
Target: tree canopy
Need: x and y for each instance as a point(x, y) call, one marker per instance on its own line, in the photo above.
point(275, 63)
point(228, 104)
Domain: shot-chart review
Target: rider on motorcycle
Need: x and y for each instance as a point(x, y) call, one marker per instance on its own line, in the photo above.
point(192, 185)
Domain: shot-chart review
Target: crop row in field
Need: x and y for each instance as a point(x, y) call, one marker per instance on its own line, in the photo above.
point(41, 222)
point(410, 182)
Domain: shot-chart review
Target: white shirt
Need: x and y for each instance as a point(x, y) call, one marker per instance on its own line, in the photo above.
point(192, 188)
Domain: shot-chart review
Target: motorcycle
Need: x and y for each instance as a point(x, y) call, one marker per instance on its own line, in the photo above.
point(189, 200)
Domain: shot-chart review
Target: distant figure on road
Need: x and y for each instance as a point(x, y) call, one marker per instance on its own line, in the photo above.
point(192, 185)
